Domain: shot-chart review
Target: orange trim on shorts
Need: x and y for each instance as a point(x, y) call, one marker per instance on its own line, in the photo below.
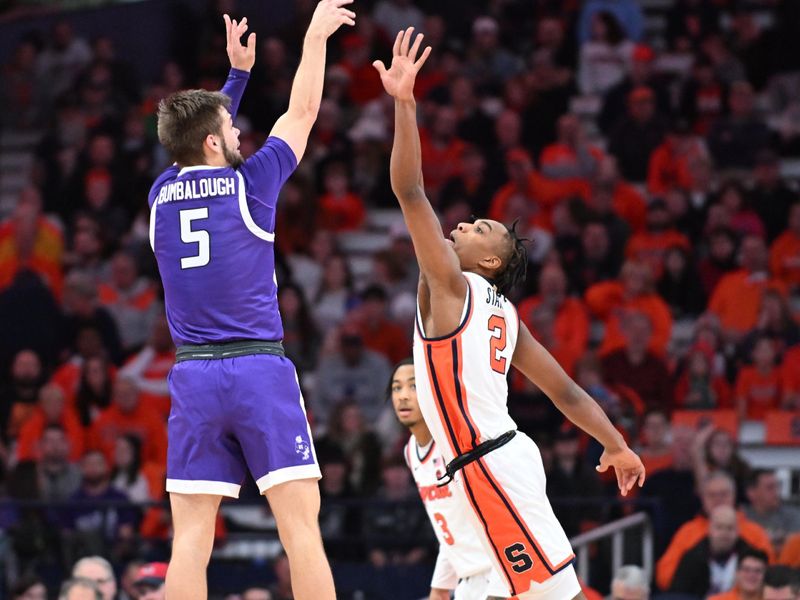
point(507, 528)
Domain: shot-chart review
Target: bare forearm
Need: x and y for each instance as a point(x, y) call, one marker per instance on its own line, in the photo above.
point(406, 161)
point(581, 409)
point(306, 95)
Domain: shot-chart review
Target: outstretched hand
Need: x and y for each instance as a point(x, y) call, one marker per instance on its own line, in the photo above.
point(241, 57)
point(329, 16)
point(398, 80)
point(627, 466)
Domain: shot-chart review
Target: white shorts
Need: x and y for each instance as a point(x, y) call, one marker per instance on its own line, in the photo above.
point(564, 585)
point(515, 522)
point(480, 586)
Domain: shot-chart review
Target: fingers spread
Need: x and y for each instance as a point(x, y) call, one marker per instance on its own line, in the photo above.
point(412, 54)
point(406, 41)
point(397, 41)
point(251, 42)
point(425, 54)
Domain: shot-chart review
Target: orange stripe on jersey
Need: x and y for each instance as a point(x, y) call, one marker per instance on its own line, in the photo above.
point(520, 552)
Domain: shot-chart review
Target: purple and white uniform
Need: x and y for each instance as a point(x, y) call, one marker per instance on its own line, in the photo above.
point(212, 231)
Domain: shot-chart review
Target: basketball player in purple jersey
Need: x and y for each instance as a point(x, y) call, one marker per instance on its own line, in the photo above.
point(236, 403)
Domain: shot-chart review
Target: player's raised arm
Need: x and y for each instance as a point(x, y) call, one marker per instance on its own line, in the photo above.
point(541, 368)
point(438, 262)
point(294, 126)
point(242, 59)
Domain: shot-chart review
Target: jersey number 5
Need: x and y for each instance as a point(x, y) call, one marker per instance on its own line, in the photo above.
point(199, 237)
point(497, 343)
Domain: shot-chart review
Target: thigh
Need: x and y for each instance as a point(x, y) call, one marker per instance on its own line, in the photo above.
point(271, 424)
point(513, 515)
point(203, 457)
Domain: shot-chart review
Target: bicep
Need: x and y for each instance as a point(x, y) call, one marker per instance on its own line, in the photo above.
point(294, 131)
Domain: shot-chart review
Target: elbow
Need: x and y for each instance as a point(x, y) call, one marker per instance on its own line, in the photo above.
point(408, 193)
point(305, 112)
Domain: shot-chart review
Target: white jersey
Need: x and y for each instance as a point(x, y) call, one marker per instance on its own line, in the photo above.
point(461, 553)
point(461, 378)
point(463, 394)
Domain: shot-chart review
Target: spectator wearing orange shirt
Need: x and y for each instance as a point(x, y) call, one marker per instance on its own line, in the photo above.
point(628, 202)
point(784, 255)
point(365, 85)
point(378, 332)
point(341, 209)
point(132, 300)
point(651, 245)
point(30, 240)
point(150, 367)
point(737, 297)
point(570, 156)
point(524, 180)
point(717, 490)
point(441, 150)
point(51, 410)
point(655, 448)
point(571, 326)
point(128, 415)
point(670, 162)
point(758, 387)
point(750, 569)
point(612, 301)
point(790, 378)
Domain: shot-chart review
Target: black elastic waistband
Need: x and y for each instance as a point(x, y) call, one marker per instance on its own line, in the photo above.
point(227, 350)
point(459, 462)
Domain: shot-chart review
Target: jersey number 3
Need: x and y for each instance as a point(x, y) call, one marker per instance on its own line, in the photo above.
point(442, 523)
point(497, 343)
point(199, 237)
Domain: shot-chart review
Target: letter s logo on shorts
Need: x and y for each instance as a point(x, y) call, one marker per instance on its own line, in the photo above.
point(301, 447)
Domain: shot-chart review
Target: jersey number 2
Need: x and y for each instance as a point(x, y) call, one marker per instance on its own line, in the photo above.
point(199, 237)
point(497, 343)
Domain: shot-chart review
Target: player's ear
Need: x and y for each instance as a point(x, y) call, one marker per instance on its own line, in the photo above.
point(491, 262)
point(212, 143)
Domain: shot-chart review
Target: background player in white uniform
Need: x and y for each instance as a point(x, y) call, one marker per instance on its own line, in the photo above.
point(467, 337)
point(462, 564)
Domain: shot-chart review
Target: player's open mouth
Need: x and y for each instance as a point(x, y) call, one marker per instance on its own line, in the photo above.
point(451, 240)
point(404, 411)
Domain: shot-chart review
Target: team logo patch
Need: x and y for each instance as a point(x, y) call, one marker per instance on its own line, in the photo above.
point(301, 447)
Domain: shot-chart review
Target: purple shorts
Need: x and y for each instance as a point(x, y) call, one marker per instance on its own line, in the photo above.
point(234, 415)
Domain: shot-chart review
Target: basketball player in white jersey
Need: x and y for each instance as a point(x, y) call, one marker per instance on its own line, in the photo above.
point(462, 564)
point(468, 335)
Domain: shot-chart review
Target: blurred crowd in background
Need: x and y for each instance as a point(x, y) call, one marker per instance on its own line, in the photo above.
point(655, 175)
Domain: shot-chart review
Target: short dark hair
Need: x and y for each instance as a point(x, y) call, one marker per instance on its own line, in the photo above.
point(402, 363)
point(779, 576)
point(755, 476)
point(185, 119)
point(515, 263)
point(755, 554)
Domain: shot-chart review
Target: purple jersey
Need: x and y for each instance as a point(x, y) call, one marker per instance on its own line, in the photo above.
point(212, 231)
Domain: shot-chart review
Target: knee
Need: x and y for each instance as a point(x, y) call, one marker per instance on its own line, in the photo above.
point(298, 530)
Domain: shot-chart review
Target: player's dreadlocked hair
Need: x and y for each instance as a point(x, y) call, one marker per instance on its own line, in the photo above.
point(515, 267)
